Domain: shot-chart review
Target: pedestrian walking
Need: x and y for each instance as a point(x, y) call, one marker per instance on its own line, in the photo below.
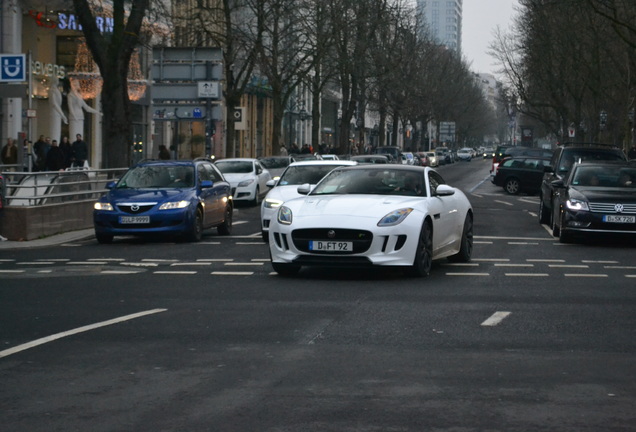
point(80, 151)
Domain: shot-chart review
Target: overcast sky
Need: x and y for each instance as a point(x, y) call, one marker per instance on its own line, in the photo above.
point(479, 20)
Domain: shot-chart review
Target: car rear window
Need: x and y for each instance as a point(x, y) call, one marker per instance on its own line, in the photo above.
point(570, 156)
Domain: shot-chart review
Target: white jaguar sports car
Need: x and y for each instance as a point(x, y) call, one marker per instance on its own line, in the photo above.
point(373, 215)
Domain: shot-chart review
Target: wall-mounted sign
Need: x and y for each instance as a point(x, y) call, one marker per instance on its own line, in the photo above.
point(69, 21)
point(208, 89)
point(12, 67)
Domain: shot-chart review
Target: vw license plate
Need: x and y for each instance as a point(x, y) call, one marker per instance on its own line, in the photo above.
point(134, 219)
point(619, 219)
point(330, 246)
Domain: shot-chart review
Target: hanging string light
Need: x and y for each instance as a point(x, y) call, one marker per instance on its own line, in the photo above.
point(86, 73)
point(136, 83)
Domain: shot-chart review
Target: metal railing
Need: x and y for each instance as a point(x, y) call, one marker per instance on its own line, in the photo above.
point(54, 187)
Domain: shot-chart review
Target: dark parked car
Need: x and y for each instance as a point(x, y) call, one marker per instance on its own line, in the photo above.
point(521, 174)
point(371, 159)
point(562, 160)
point(167, 198)
point(596, 197)
point(394, 151)
point(505, 151)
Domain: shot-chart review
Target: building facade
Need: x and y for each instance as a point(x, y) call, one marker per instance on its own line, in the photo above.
point(442, 19)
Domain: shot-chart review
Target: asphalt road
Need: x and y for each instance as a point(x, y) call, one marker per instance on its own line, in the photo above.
point(532, 335)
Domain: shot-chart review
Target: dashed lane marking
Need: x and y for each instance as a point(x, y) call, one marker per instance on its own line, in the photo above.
point(504, 202)
point(83, 329)
point(466, 274)
point(495, 319)
point(585, 275)
point(224, 273)
point(541, 260)
point(527, 274)
point(175, 272)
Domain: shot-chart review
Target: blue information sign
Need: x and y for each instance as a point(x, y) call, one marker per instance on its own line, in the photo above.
point(12, 67)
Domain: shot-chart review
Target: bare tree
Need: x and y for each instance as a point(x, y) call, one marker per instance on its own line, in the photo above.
point(112, 53)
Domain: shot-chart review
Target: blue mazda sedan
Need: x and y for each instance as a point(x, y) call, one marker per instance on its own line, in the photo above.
point(165, 198)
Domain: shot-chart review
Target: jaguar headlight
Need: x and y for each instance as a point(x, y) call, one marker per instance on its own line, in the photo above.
point(285, 215)
point(174, 205)
point(577, 205)
point(272, 203)
point(103, 206)
point(395, 217)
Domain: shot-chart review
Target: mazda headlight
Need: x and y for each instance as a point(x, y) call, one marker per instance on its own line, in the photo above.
point(272, 203)
point(577, 205)
point(174, 205)
point(285, 215)
point(245, 183)
point(103, 206)
point(395, 217)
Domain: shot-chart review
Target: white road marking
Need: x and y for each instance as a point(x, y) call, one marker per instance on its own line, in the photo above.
point(83, 329)
point(495, 319)
point(34, 263)
point(244, 264)
point(460, 264)
point(467, 274)
point(620, 267)
point(190, 264)
point(208, 243)
point(216, 259)
point(527, 274)
point(250, 243)
point(7, 260)
point(630, 276)
point(504, 202)
point(86, 263)
point(175, 272)
point(545, 260)
point(119, 272)
point(159, 260)
point(491, 259)
point(588, 275)
point(523, 243)
point(45, 271)
point(482, 242)
point(599, 262)
point(239, 222)
point(140, 264)
point(568, 266)
point(261, 259)
point(106, 259)
point(54, 259)
point(223, 273)
point(513, 265)
point(12, 271)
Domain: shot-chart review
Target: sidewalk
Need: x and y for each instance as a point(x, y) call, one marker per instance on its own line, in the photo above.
point(53, 240)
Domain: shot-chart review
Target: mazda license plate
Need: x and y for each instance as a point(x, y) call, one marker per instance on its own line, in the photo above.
point(619, 219)
point(330, 246)
point(134, 219)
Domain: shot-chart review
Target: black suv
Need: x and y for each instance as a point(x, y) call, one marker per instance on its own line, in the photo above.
point(563, 158)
